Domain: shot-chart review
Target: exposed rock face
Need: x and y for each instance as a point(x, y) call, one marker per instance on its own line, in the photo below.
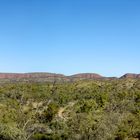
point(12, 75)
point(87, 76)
point(131, 75)
point(28, 75)
point(53, 76)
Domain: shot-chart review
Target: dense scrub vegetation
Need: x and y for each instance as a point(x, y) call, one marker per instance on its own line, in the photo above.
point(82, 110)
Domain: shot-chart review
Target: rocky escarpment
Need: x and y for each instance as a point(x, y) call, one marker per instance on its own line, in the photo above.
point(48, 75)
point(87, 76)
point(130, 75)
point(29, 75)
point(42, 77)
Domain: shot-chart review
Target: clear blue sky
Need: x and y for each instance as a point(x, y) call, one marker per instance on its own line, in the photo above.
point(70, 36)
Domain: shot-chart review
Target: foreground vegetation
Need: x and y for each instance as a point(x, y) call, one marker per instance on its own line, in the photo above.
point(82, 110)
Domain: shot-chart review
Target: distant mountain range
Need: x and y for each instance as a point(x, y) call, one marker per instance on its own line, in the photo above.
point(53, 76)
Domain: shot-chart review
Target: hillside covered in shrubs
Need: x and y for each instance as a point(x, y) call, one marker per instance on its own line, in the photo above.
point(79, 110)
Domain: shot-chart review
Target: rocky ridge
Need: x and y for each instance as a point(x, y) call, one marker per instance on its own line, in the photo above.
point(61, 76)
